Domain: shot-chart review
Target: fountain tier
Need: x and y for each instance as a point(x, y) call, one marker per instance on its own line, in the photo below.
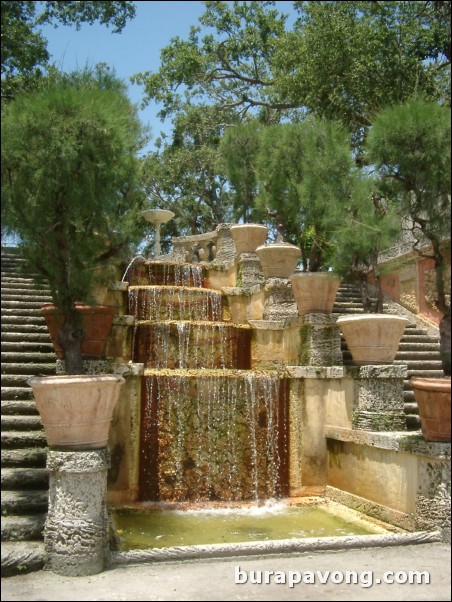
point(213, 435)
point(190, 344)
point(174, 303)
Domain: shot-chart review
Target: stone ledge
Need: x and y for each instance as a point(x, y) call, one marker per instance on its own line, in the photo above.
point(400, 520)
point(316, 371)
point(245, 291)
point(383, 371)
point(126, 320)
point(395, 441)
point(283, 546)
point(130, 369)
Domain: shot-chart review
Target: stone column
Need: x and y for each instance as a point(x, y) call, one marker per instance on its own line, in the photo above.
point(279, 300)
point(320, 340)
point(249, 270)
point(378, 397)
point(76, 529)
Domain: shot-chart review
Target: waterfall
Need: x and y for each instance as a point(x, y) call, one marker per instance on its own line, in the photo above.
point(212, 428)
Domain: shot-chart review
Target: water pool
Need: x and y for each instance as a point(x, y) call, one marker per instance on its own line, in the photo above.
point(161, 527)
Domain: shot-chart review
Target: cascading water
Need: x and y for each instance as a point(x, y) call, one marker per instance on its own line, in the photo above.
point(212, 428)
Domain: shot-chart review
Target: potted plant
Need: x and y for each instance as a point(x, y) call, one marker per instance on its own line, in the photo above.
point(70, 193)
point(410, 146)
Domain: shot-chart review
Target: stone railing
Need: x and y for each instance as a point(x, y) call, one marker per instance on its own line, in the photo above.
point(215, 246)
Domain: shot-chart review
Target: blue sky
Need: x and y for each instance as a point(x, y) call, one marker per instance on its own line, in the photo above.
point(134, 50)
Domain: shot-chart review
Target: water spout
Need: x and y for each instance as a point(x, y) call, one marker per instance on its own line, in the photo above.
point(130, 265)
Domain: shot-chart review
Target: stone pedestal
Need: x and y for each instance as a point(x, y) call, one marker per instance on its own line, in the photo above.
point(279, 300)
point(378, 398)
point(320, 340)
point(76, 529)
point(249, 270)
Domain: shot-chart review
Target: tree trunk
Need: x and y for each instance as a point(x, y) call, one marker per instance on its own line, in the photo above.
point(70, 338)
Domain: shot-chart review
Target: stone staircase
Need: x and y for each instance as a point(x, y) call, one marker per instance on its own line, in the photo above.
point(26, 351)
point(417, 349)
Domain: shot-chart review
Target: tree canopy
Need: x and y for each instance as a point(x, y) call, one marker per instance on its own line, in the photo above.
point(339, 60)
point(24, 49)
point(71, 185)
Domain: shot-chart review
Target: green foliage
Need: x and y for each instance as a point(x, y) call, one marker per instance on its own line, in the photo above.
point(410, 146)
point(345, 60)
point(70, 179)
point(239, 149)
point(340, 60)
point(229, 66)
point(24, 48)
point(185, 173)
point(305, 173)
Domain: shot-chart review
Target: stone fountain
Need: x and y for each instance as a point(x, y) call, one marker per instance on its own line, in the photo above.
point(157, 217)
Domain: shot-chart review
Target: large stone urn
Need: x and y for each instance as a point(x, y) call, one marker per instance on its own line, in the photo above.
point(247, 237)
point(372, 338)
point(432, 396)
point(314, 292)
point(279, 259)
point(76, 410)
point(97, 321)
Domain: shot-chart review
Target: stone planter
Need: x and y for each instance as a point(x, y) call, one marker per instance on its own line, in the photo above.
point(372, 338)
point(247, 237)
point(279, 259)
point(96, 323)
point(314, 292)
point(76, 410)
point(432, 396)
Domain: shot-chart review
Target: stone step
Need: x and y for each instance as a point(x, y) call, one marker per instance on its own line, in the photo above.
point(425, 373)
point(23, 439)
point(22, 528)
point(343, 303)
point(31, 369)
point(413, 423)
point(40, 336)
point(20, 313)
point(27, 296)
point(25, 320)
point(16, 292)
point(32, 457)
point(17, 393)
point(20, 557)
point(410, 408)
point(414, 364)
point(28, 357)
point(20, 423)
point(421, 346)
point(25, 478)
point(18, 347)
point(23, 330)
point(28, 283)
point(15, 380)
point(10, 305)
point(14, 407)
point(24, 502)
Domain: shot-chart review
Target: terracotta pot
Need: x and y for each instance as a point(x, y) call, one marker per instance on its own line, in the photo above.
point(96, 323)
point(248, 237)
point(279, 259)
point(314, 292)
point(76, 410)
point(372, 338)
point(432, 396)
